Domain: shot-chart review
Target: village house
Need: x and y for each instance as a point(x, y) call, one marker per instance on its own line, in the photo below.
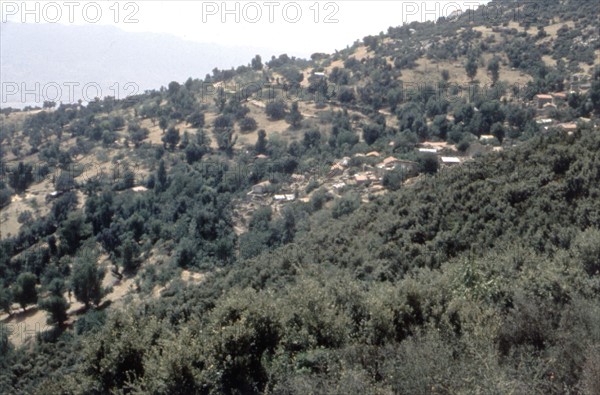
point(335, 170)
point(559, 96)
point(450, 160)
point(428, 150)
point(567, 127)
point(338, 186)
point(261, 187)
point(486, 137)
point(544, 121)
point(543, 99)
point(437, 145)
point(547, 109)
point(284, 198)
point(580, 82)
point(409, 168)
point(388, 163)
point(139, 188)
point(361, 179)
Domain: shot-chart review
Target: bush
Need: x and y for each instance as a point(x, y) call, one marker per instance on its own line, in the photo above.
point(428, 163)
point(346, 95)
point(24, 216)
point(345, 205)
point(394, 179)
point(276, 110)
point(587, 250)
point(312, 185)
point(318, 199)
point(92, 321)
point(247, 124)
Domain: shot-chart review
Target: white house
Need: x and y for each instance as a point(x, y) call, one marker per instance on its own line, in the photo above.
point(450, 160)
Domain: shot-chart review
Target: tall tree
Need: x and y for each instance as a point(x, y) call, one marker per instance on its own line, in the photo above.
point(161, 176)
point(226, 139)
point(72, 231)
point(594, 95)
point(261, 143)
point(494, 69)
point(129, 253)
point(21, 177)
point(163, 124)
point(196, 119)
point(56, 306)
point(471, 67)
point(498, 131)
point(371, 132)
point(276, 110)
point(445, 75)
point(24, 291)
point(294, 118)
point(257, 63)
point(86, 279)
point(171, 139)
point(5, 299)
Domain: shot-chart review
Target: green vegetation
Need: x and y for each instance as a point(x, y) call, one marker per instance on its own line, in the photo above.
point(478, 278)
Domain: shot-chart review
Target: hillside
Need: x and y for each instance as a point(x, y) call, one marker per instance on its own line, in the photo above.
point(414, 214)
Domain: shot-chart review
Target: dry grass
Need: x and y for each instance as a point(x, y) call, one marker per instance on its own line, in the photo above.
point(361, 53)
point(155, 134)
point(549, 61)
point(338, 63)
point(552, 30)
point(23, 327)
point(486, 32)
point(257, 111)
point(192, 277)
point(20, 203)
point(429, 72)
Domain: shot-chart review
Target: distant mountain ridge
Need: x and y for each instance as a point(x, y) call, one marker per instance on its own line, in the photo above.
point(51, 54)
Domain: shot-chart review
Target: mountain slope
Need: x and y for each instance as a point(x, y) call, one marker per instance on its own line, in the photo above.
point(317, 267)
point(463, 279)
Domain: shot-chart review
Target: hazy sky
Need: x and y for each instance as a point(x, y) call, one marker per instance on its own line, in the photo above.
point(296, 27)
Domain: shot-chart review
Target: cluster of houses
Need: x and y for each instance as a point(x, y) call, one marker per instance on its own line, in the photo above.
point(341, 176)
point(369, 178)
point(443, 160)
point(569, 127)
point(547, 104)
point(580, 82)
